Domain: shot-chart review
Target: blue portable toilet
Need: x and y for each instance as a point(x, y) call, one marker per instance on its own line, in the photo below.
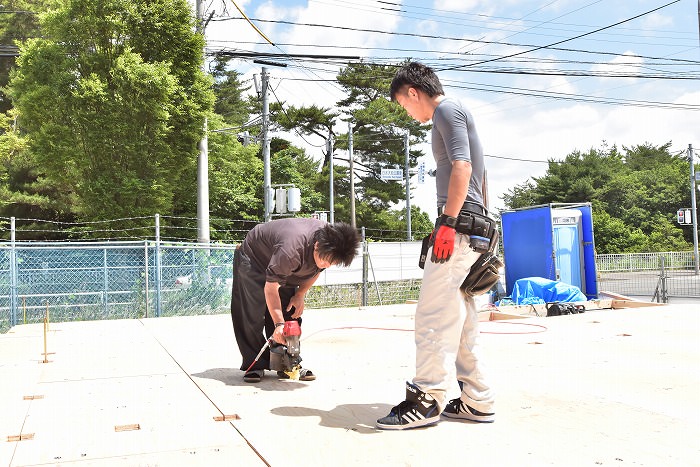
point(553, 241)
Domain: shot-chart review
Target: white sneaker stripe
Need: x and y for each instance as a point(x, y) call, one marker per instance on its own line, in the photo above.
point(413, 417)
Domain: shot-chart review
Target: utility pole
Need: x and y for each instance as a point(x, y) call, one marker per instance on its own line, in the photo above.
point(408, 191)
point(203, 159)
point(352, 178)
point(693, 208)
point(267, 183)
point(330, 172)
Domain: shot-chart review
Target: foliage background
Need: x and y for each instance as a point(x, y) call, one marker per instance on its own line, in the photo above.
point(103, 108)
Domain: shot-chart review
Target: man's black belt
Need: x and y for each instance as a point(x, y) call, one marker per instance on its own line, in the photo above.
point(468, 206)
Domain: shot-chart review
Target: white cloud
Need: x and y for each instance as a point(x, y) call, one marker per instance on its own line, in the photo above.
point(656, 21)
point(341, 16)
point(627, 63)
point(456, 5)
point(559, 132)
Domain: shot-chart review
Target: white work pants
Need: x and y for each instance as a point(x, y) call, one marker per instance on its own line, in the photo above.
point(447, 331)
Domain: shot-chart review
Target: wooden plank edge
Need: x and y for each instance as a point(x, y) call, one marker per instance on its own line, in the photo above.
point(130, 427)
point(22, 437)
point(537, 310)
point(226, 418)
point(620, 304)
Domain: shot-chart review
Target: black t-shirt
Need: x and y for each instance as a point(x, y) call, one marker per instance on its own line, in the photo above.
point(284, 249)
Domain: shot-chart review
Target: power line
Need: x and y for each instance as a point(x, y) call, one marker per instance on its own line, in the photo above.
point(657, 74)
point(520, 19)
point(458, 39)
point(572, 38)
point(241, 54)
point(478, 20)
point(554, 95)
point(424, 51)
point(520, 160)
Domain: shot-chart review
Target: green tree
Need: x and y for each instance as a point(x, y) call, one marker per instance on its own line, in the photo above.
point(312, 120)
point(230, 103)
point(379, 127)
point(18, 22)
point(635, 194)
point(235, 174)
point(112, 100)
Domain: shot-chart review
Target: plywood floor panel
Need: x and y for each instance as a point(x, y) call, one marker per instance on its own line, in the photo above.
point(614, 387)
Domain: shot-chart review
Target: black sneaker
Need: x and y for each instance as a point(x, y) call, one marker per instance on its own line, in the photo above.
point(458, 409)
point(419, 409)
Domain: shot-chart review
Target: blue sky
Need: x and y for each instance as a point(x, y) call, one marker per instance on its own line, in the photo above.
point(610, 87)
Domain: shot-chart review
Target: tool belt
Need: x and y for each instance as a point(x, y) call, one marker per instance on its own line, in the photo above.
point(483, 238)
point(481, 229)
point(472, 220)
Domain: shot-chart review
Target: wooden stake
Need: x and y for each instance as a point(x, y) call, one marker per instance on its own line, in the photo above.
point(131, 427)
point(225, 418)
point(32, 398)
point(46, 329)
point(22, 437)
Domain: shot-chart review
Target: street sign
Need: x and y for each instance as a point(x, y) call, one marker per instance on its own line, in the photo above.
point(392, 174)
point(421, 172)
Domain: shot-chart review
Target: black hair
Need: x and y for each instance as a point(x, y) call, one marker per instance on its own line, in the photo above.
point(418, 76)
point(337, 243)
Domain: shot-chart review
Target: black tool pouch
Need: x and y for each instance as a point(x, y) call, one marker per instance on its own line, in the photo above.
point(482, 276)
point(424, 251)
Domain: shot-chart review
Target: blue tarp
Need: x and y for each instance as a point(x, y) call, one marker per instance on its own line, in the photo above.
point(532, 290)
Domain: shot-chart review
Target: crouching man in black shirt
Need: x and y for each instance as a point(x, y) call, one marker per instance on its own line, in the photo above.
point(273, 269)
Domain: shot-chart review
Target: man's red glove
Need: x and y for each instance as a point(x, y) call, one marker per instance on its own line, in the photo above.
point(444, 244)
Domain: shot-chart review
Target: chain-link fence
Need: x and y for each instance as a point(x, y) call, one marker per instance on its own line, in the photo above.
point(652, 276)
point(89, 281)
point(73, 281)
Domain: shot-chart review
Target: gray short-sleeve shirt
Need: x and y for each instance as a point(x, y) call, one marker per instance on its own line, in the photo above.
point(454, 138)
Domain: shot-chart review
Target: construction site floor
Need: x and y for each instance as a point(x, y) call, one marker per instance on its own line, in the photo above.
point(603, 388)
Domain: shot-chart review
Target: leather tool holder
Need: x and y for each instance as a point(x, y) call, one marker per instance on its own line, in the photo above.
point(482, 276)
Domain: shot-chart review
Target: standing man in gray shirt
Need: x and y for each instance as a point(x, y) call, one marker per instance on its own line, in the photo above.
point(274, 267)
point(446, 320)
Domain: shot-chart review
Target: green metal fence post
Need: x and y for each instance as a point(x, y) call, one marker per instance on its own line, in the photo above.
point(145, 263)
point(13, 274)
point(158, 270)
point(365, 257)
point(105, 288)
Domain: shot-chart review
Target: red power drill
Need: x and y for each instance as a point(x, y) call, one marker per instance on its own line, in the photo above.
point(287, 357)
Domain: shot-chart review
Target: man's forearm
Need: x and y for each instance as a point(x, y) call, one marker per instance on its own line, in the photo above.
point(272, 299)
